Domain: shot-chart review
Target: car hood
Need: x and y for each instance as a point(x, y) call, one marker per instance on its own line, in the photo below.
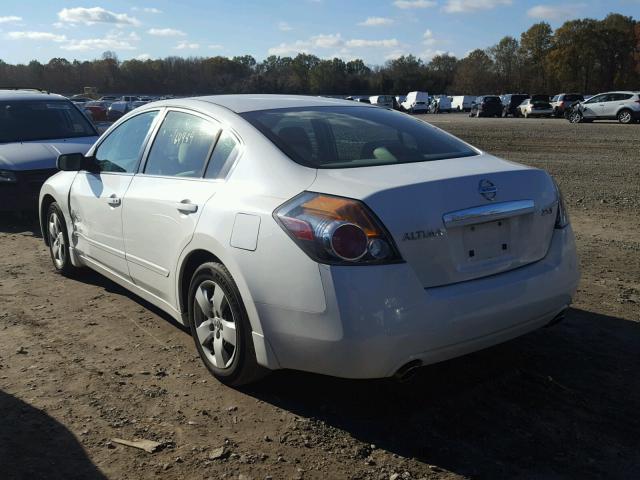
point(40, 154)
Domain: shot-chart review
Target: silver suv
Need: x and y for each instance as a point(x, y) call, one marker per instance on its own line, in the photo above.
point(621, 106)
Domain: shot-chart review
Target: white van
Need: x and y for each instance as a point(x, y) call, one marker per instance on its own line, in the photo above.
point(416, 102)
point(382, 100)
point(462, 103)
point(444, 104)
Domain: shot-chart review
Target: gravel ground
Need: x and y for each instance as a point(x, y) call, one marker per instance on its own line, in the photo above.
point(82, 362)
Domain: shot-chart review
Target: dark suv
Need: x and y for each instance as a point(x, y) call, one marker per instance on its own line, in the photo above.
point(486, 106)
point(564, 101)
point(510, 103)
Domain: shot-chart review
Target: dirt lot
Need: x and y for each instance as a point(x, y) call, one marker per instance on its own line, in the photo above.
point(82, 361)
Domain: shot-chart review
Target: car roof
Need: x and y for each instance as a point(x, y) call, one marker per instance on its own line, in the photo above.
point(28, 95)
point(252, 102)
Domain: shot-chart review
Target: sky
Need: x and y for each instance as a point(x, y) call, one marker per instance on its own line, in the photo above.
point(373, 30)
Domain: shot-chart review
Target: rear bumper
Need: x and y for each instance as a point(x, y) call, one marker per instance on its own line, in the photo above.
point(378, 319)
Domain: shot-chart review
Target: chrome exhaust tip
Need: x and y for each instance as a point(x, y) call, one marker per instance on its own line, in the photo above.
point(407, 371)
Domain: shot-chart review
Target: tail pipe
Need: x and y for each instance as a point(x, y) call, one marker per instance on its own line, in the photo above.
point(558, 318)
point(407, 371)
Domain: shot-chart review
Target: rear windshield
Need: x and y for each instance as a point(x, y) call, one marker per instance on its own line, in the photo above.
point(345, 137)
point(572, 97)
point(491, 99)
point(23, 120)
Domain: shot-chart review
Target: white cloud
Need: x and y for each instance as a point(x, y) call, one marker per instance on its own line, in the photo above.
point(166, 32)
point(429, 38)
point(396, 54)
point(284, 27)
point(556, 12)
point(429, 53)
point(47, 36)
point(187, 46)
point(10, 18)
point(465, 6)
point(109, 42)
point(406, 4)
point(376, 22)
point(90, 16)
point(358, 43)
point(215, 46)
point(330, 41)
point(146, 10)
point(143, 56)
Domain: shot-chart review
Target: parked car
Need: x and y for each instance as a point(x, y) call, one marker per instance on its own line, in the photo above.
point(440, 104)
point(34, 129)
point(97, 110)
point(511, 102)
point(462, 103)
point(535, 108)
point(349, 197)
point(416, 102)
point(623, 106)
point(108, 98)
point(382, 100)
point(564, 101)
point(486, 106)
point(122, 107)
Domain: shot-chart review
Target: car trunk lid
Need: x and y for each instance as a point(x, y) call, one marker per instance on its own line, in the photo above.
point(457, 219)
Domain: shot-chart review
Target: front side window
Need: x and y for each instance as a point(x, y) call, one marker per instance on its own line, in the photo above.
point(596, 99)
point(120, 151)
point(22, 121)
point(182, 146)
point(345, 137)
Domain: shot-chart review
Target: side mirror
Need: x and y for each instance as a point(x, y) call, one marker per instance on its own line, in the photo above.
point(74, 162)
point(70, 162)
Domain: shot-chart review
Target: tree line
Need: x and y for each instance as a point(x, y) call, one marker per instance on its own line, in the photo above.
point(583, 55)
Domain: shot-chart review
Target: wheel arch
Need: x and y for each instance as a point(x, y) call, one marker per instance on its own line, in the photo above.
point(201, 253)
point(45, 203)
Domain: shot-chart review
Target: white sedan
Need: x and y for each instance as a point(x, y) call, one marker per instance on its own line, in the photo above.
point(535, 108)
point(314, 234)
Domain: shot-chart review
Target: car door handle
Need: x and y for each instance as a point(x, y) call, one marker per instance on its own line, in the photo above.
point(185, 206)
point(114, 201)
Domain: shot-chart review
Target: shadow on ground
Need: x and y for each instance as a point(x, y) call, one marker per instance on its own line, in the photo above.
point(562, 402)
point(26, 223)
point(34, 445)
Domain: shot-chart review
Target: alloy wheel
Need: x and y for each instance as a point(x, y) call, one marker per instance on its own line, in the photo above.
point(215, 324)
point(56, 241)
point(624, 117)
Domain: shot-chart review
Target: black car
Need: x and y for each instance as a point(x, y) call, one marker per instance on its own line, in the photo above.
point(486, 106)
point(34, 129)
point(510, 103)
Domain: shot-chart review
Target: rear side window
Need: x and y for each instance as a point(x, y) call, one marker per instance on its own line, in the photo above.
point(121, 150)
point(224, 155)
point(182, 146)
point(345, 137)
point(573, 98)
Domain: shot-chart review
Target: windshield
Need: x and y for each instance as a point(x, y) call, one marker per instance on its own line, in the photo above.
point(24, 120)
point(346, 137)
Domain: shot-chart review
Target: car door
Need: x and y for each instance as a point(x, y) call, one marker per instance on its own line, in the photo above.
point(96, 198)
point(592, 108)
point(165, 200)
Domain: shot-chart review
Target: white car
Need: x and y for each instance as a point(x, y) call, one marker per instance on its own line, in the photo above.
point(382, 101)
point(462, 103)
point(622, 106)
point(535, 108)
point(313, 233)
point(416, 102)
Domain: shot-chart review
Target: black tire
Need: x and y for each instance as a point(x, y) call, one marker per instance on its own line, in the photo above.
point(625, 116)
point(243, 367)
point(58, 239)
point(575, 117)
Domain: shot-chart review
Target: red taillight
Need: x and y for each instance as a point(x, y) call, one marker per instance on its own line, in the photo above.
point(336, 230)
point(346, 241)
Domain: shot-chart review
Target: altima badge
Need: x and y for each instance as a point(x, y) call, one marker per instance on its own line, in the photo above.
point(423, 234)
point(487, 189)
